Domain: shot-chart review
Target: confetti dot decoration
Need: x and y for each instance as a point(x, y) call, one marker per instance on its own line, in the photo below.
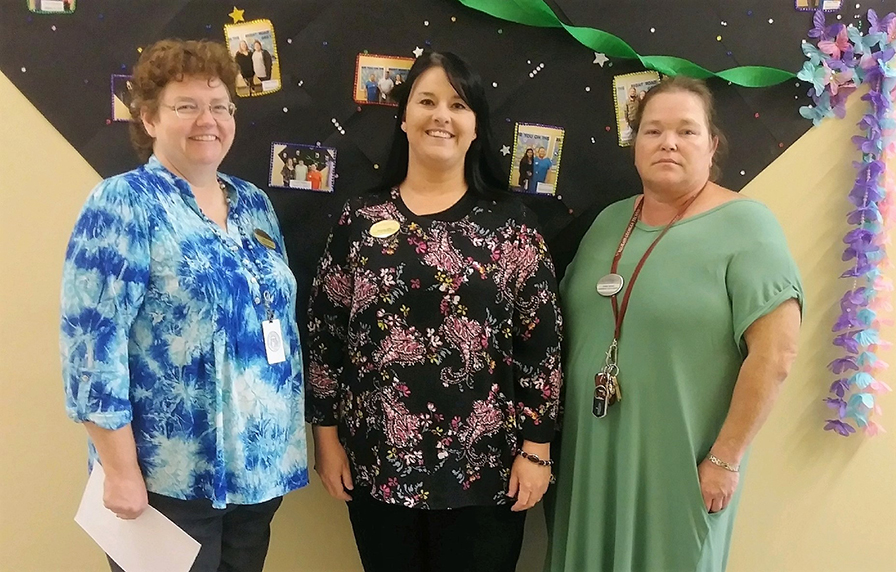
point(24, 69)
point(376, 165)
point(719, 38)
point(494, 84)
point(500, 31)
point(53, 28)
point(587, 88)
point(454, 18)
point(652, 30)
point(743, 173)
point(724, 23)
point(285, 110)
point(288, 40)
point(756, 115)
point(771, 21)
point(426, 22)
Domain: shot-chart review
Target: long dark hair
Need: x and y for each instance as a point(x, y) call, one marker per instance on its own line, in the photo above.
point(482, 170)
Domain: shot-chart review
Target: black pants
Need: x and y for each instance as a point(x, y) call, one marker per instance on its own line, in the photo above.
point(233, 539)
point(393, 538)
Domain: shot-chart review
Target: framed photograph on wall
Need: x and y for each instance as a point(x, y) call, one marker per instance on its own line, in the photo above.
point(376, 77)
point(297, 166)
point(628, 91)
point(535, 160)
point(254, 49)
point(120, 86)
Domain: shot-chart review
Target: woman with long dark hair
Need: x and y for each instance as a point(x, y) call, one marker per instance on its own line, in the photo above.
point(434, 336)
point(526, 169)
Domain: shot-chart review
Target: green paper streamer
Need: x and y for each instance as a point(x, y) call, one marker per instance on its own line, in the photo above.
point(537, 13)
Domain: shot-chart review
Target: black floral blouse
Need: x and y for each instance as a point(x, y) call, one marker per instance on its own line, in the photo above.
point(435, 350)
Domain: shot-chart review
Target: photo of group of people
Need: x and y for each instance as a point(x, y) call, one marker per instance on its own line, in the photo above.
point(254, 49)
point(121, 97)
point(296, 166)
point(535, 161)
point(377, 76)
point(812, 5)
point(51, 6)
point(628, 91)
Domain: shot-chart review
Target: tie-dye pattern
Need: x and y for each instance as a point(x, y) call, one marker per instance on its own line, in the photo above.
point(161, 328)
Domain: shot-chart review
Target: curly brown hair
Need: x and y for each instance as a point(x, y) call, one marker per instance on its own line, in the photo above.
point(696, 87)
point(172, 60)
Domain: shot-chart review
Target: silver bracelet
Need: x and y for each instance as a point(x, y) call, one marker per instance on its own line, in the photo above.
point(720, 463)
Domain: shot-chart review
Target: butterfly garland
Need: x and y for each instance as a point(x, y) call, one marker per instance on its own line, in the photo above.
point(844, 58)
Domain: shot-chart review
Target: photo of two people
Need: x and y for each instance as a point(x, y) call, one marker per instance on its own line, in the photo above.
point(535, 161)
point(628, 91)
point(254, 50)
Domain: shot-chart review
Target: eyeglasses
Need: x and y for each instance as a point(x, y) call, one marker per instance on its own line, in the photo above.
point(192, 110)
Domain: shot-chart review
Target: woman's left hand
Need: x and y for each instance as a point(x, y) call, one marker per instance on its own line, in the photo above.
point(717, 485)
point(529, 481)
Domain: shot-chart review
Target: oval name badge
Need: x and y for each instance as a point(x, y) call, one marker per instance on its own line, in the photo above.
point(264, 238)
point(610, 285)
point(384, 228)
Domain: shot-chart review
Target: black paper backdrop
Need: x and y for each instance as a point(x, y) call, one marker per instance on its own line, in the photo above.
point(62, 64)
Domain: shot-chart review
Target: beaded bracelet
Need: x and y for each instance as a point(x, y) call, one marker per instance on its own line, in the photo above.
point(536, 459)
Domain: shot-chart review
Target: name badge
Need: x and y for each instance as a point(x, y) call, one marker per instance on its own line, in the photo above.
point(264, 238)
point(384, 228)
point(273, 341)
point(610, 285)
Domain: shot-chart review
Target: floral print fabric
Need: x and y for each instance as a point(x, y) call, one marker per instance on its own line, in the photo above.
point(435, 350)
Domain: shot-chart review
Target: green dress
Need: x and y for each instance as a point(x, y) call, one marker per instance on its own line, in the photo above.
point(628, 496)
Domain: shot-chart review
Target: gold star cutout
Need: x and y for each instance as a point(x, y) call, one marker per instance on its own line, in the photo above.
point(237, 15)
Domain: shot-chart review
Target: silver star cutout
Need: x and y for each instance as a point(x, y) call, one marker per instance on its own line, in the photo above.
point(417, 51)
point(600, 59)
point(505, 150)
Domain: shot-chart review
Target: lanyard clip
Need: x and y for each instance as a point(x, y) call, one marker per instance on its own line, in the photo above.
point(268, 300)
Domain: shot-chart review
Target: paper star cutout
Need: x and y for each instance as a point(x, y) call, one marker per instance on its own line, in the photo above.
point(600, 59)
point(417, 51)
point(505, 150)
point(237, 15)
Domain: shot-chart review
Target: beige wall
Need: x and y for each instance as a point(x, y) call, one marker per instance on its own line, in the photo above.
point(813, 501)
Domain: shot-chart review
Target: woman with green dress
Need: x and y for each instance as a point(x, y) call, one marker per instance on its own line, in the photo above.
point(683, 307)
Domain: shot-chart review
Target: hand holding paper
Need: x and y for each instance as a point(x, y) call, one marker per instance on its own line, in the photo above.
point(134, 544)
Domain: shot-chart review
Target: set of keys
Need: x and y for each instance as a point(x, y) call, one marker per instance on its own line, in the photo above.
point(606, 384)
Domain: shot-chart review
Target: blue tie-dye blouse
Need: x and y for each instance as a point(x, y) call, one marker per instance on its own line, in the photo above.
point(162, 314)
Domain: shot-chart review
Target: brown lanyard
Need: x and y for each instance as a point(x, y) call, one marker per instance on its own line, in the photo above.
point(619, 312)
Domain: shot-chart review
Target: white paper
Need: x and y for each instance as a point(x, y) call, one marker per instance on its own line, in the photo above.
point(270, 85)
point(149, 543)
point(52, 6)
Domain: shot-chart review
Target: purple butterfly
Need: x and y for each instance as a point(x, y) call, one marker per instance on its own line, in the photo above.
point(847, 342)
point(840, 387)
point(838, 405)
point(817, 30)
point(854, 297)
point(863, 214)
point(840, 365)
point(839, 427)
point(861, 268)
